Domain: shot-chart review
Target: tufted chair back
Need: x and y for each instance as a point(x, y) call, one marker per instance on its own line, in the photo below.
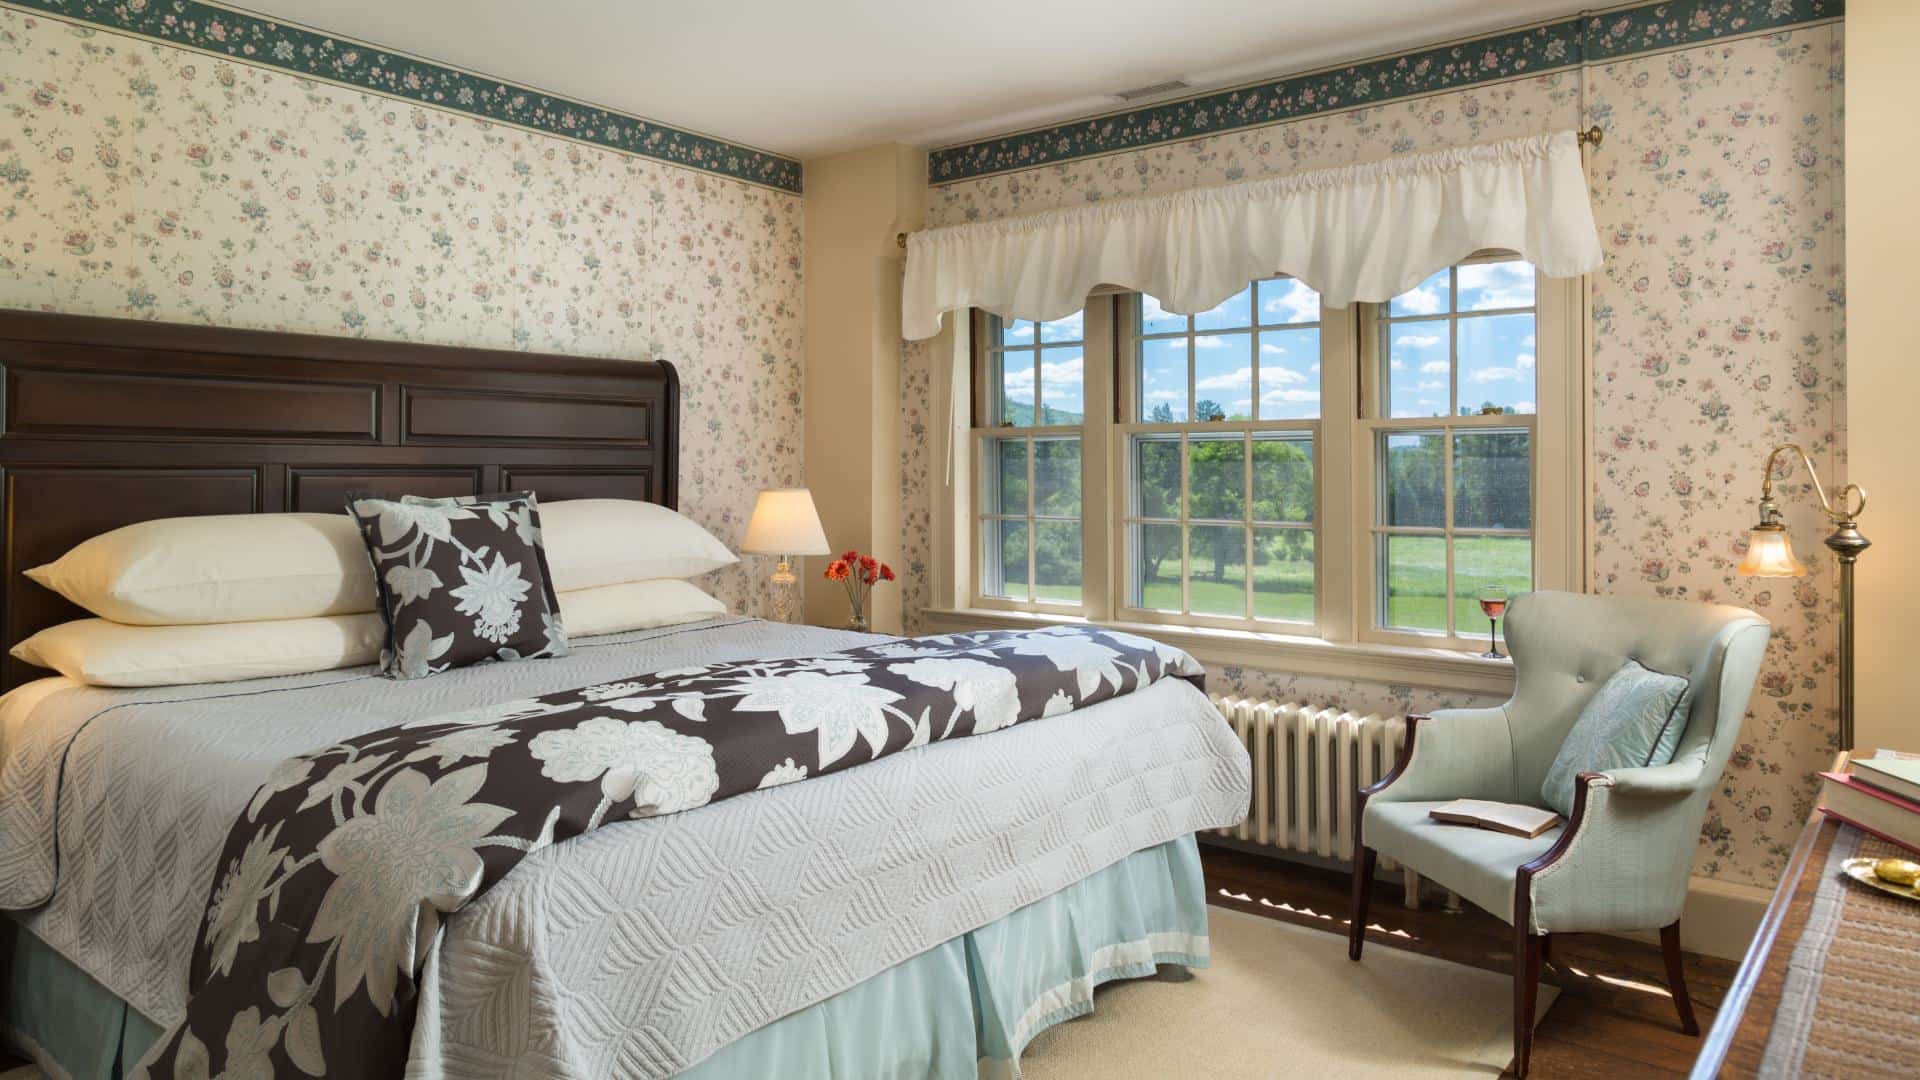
point(1565, 645)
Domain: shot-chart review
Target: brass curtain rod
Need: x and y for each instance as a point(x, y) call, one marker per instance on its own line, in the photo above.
point(1589, 137)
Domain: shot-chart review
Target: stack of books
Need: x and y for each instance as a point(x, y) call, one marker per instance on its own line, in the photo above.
point(1880, 795)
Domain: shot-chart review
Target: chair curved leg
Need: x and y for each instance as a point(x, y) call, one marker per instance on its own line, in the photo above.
point(1363, 862)
point(1677, 977)
point(1526, 992)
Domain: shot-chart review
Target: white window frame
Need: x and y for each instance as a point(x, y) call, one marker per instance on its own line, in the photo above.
point(1345, 639)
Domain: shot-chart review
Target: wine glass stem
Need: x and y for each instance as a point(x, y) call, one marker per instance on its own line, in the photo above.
point(1493, 643)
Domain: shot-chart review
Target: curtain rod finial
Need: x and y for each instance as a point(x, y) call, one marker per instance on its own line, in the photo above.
point(1591, 136)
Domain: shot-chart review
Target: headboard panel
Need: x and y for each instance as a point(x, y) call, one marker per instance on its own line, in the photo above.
point(106, 422)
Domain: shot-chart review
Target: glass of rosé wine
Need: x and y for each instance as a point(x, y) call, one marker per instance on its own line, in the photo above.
point(1493, 604)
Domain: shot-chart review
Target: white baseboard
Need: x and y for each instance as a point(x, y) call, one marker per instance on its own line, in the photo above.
point(1719, 919)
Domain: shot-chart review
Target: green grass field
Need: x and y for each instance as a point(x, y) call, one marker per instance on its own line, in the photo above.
point(1416, 584)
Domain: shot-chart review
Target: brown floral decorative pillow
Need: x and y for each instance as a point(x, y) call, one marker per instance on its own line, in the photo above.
point(461, 581)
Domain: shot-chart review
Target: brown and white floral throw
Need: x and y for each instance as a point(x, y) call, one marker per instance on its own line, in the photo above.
point(336, 880)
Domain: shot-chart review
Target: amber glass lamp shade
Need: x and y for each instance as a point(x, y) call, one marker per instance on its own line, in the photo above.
point(1770, 554)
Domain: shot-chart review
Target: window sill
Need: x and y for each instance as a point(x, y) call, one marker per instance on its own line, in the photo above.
point(1443, 669)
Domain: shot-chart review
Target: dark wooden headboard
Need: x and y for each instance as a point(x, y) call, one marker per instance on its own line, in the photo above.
point(112, 421)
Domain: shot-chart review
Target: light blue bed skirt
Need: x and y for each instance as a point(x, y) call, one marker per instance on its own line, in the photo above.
point(963, 1009)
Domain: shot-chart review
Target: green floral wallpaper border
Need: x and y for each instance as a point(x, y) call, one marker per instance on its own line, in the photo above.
point(257, 40)
point(1564, 44)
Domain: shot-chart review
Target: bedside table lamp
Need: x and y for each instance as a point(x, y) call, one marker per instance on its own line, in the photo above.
point(1770, 554)
point(784, 523)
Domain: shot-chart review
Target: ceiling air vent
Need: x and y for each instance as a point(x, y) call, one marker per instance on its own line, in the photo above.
point(1155, 90)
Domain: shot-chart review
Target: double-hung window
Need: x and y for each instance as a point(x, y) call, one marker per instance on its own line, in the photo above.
point(1030, 461)
point(1221, 434)
point(1277, 469)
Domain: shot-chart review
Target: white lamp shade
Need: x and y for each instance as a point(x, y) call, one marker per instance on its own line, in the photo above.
point(784, 522)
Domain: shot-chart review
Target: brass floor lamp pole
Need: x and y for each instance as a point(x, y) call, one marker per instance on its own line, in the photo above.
point(1770, 554)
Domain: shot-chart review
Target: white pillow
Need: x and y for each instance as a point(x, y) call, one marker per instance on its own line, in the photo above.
point(222, 568)
point(103, 653)
point(594, 542)
point(635, 605)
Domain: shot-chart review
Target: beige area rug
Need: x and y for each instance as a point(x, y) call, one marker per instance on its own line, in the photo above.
point(1282, 1000)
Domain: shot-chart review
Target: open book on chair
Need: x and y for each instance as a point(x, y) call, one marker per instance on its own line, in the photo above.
point(1511, 818)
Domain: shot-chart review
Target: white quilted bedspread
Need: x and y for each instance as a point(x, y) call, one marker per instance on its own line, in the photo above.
point(636, 950)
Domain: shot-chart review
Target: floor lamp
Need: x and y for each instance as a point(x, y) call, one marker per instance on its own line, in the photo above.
point(1770, 554)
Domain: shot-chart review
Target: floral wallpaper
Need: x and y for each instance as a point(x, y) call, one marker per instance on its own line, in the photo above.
point(1715, 329)
point(138, 180)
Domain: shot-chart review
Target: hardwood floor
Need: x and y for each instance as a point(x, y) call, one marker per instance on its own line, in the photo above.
point(1614, 1017)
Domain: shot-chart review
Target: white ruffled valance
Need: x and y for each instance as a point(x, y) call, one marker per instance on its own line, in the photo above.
point(1358, 233)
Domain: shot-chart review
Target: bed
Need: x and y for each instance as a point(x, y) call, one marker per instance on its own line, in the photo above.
point(922, 915)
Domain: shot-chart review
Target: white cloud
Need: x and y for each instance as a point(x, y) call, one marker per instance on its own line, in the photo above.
point(1523, 406)
point(1430, 385)
point(1292, 301)
point(1417, 341)
point(1022, 331)
point(1486, 286)
point(1434, 367)
point(1424, 300)
point(1232, 380)
point(1397, 365)
point(1525, 360)
point(1276, 397)
point(1494, 374)
point(1527, 341)
point(1272, 349)
point(1211, 342)
point(1280, 375)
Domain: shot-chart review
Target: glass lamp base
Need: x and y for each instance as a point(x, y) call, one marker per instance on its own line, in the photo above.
point(783, 589)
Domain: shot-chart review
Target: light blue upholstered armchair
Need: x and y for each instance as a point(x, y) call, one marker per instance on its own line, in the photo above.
point(1622, 859)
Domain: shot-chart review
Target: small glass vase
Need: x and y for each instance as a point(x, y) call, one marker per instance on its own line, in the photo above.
point(858, 624)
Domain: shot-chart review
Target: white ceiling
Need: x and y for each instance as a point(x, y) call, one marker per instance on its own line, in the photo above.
point(807, 78)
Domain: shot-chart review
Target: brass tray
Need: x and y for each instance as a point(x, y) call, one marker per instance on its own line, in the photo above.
point(1861, 870)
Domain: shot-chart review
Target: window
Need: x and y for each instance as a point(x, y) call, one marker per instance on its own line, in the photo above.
point(1030, 467)
point(1221, 494)
point(1452, 435)
point(1276, 469)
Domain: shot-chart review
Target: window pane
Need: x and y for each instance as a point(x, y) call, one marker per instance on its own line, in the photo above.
point(1223, 376)
point(1427, 298)
point(1056, 477)
point(1004, 465)
point(1071, 328)
point(1290, 374)
point(1156, 567)
point(1417, 368)
point(1234, 312)
point(1163, 381)
point(1015, 331)
point(1413, 491)
point(1217, 582)
point(1062, 385)
point(1056, 561)
point(1496, 363)
point(1283, 477)
point(1006, 561)
point(1416, 569)
point(1492, 480)
point(1216, 477)
point(1283, 574)
point(1489, 286)
point(1016, 388)
point(1479, 561)
point(1156, 476)
point(1287, 300)
point(1154, 320)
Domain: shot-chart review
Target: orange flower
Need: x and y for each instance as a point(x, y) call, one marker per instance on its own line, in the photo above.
point(886, 572)
point(837, 570)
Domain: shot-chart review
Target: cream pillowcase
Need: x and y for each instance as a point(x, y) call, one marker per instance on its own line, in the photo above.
point(593, 542)
point(103, 653)
point(635, 605)
point(222, 568)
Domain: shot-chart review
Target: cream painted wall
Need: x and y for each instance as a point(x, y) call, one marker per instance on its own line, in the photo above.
point(856, 204)
point(1883, 158)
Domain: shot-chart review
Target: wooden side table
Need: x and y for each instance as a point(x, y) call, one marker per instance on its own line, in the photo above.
point(1831, 984)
